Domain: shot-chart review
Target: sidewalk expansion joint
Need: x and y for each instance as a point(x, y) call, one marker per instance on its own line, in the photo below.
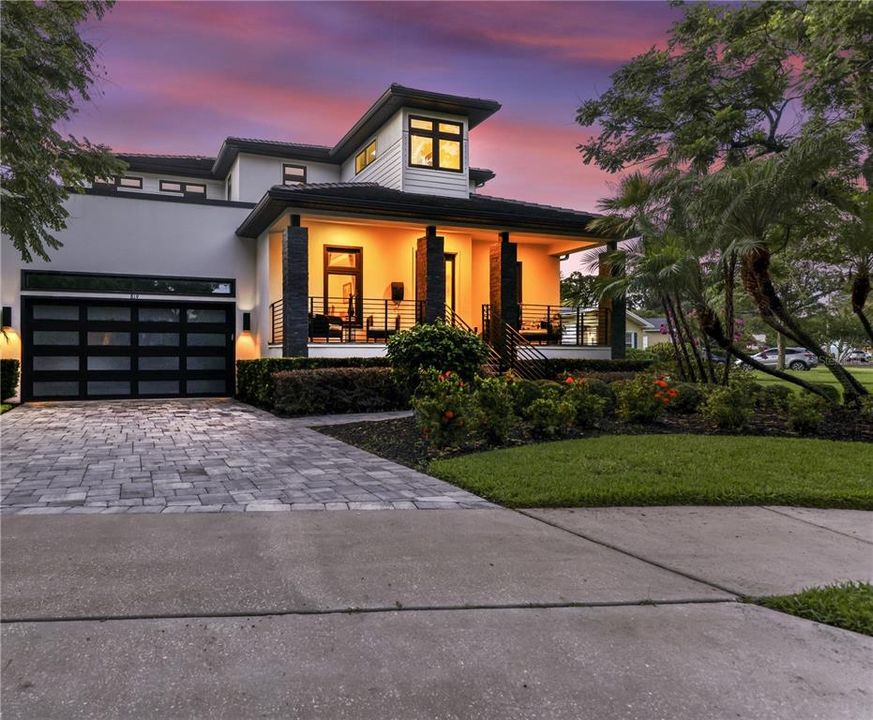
point(649, 561)
point(814, 524)
point(370, 610)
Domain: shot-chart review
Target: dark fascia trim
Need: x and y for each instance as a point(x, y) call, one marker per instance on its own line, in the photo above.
point(133, 195)
point(232, 147)
point(476, 110)
point(192, 167)
point(277, 200)
point(480, 176)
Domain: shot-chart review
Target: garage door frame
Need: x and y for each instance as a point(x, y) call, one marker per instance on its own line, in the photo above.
point(134, 350)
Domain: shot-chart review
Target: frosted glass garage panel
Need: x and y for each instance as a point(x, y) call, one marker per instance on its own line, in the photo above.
point(206, 340)
point(49, 389)
point(159, 363)
point(108, 387)
point(108, 338)
point(158, 387)
point(55, 337)
point(204, 362)
point(55, 312)
point(107, 313)
point(206, 386)
point(159, 339)
point(56, 362)
point(159, 315)
point(101, 362)
point(207, 315)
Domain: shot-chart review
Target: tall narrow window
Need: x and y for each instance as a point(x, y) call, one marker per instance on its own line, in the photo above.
point(343, 283)
point(436, 144)
point(365, 157)
point(293, 174)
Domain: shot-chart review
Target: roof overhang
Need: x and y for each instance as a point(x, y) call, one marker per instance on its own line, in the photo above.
point(378, 202)
point(397, 96)
point(232, 147)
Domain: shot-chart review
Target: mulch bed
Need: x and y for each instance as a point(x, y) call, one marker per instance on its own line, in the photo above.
point(398, 440)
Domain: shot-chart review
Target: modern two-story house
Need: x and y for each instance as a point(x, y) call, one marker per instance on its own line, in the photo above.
point(172, 271)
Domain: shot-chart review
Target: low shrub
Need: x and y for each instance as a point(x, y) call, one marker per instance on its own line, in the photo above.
point(10, 370)
point(550, 417)
point(806, 412)
point(587, 405)
point(557, 367)
point(254, 378)
point(774, 397)
point(443, 405)
point(435, 346)
point(524, 392)
point(832, 392)
point(337, 390)
point(604, 390)
point(494, 414)
point(688, 399)
point(730, 407)
point(865, 408)
point(643, 399)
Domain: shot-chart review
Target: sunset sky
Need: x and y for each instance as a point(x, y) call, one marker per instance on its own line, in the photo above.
point(182, 76)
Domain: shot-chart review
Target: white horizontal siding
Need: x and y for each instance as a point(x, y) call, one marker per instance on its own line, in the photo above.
point(436, 182)
point(386, 169)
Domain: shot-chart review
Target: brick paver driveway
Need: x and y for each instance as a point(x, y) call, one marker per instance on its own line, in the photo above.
point(201, 455)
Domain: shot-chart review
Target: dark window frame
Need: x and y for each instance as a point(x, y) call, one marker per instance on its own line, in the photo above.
point(116, 182)
point(435, 136)
point(285, 180)
point(357, 272)
point(135, 285)
point(183, 187)
point(367, 160)
point(452, 259)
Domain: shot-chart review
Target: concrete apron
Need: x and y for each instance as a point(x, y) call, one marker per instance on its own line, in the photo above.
point(682, 662)
point(196, 565)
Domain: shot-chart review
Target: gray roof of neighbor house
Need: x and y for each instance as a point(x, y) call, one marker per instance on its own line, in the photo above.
point(396, 96)
point(371, 200)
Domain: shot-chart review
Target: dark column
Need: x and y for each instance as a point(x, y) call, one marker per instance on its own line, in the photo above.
point(503, 291)
point(611, 330)
point(430, 275)
point(295, 289)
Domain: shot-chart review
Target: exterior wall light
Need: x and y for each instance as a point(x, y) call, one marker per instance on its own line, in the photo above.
point(247, 322)
point(7, 317)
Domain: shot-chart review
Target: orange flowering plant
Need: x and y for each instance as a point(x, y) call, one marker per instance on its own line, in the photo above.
point(645, 398)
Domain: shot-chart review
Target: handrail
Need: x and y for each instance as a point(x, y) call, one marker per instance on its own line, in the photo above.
point(493, 362)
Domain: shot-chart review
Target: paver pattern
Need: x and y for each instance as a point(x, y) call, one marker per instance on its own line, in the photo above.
point(195, 455)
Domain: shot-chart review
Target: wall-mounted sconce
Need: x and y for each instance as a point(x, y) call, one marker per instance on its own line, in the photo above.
point(397, 292)
point(7, 317)
point(247, 322)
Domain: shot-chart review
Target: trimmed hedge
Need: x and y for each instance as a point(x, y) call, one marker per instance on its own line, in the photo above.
point(578, 366)
point(9, 372)
point(254, 378)
point(337, 390)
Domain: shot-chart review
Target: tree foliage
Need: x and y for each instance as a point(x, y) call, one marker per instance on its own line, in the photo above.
point(47, 68)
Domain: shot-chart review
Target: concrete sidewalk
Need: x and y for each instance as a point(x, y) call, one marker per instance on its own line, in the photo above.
point(448, 614)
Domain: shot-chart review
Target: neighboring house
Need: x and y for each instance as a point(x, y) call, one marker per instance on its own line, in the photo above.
point(184, 264)
point(636, 330)
point(653, 331)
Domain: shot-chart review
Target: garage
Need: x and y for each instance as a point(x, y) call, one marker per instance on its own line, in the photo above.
point(89, 348)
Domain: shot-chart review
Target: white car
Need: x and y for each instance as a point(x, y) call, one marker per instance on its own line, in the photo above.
point(858, 356)
point(796, 358)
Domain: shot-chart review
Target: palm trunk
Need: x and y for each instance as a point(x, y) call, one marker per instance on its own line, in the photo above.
point(730, 284)
point(683, 320)
point(671, 329)
point(860, 292)
point(711, 325)
point(757, 281)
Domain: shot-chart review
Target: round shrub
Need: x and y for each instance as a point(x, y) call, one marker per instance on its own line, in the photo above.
point(688, 399)
point(443, 406)
point(493, 414)
point(729, 407)
point(525, 392)
point(588, 405)
point(643, 399)
point(436, 346)
point(603, 390)
point(775, 397)
point(9, 374)
point(550, 417)
point(806, 412)
point(831, 391)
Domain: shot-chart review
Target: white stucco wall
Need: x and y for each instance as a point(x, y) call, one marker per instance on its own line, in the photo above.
point(143, 237)
point(255, 174)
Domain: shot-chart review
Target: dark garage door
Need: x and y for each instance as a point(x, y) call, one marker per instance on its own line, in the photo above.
point(90, 348)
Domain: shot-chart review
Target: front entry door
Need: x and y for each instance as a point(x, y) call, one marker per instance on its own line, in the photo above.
point(450, 281)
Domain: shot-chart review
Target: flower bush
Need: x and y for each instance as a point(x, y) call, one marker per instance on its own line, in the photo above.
point(687, 400)
point(494, 416)
point(443, 405)
point(644, 399)
point(550, 417)
point(588, 405)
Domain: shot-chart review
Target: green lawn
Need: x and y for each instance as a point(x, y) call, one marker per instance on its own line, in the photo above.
point(670, 470)
point(818, 375)
point(847, 605)
point(5, 407)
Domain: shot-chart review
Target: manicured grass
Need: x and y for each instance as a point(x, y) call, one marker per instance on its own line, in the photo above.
point(670, 470)
point(847, 605)
point(5, 407)
point(818, 375)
